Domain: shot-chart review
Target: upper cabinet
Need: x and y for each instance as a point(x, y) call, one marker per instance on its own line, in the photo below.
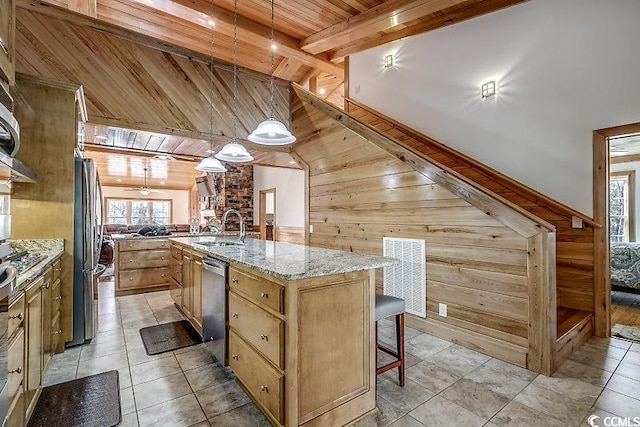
point(7, 37)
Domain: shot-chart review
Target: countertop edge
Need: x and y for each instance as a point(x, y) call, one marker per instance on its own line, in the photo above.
point(25, 279)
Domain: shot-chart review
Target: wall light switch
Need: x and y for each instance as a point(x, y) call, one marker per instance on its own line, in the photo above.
point(576, 222)
point(310, 228)
point(442, 309)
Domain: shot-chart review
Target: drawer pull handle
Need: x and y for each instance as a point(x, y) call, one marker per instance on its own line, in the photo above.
point(3, 46)
point(18, 316)
point(45, 286)
point(264, 295)
point(264, 388)
point(59, 297)
point(131, 279)
point(58, 332)
point(234, 280)
point(18, 370)
point(264, 337)
point(162, 258)
point(234, 356)
point(59, 269)
point(234, 315)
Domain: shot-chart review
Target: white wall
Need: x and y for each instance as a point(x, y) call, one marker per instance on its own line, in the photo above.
point(565, 68)
point(180, 200)
point(632, 166)
point(289, 185)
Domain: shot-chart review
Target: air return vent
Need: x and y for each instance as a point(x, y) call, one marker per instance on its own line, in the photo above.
point(408, 279)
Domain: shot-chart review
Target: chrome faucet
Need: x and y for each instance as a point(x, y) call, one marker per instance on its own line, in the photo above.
point(223, 221)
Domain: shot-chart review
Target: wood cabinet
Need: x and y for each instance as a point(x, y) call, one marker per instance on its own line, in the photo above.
point(7, 40)
point(175, 283)
point(142, 265)
point(34, 336)
point(192, 287)
point(313, 338)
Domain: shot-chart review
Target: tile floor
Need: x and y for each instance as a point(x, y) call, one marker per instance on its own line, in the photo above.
point(446, 384)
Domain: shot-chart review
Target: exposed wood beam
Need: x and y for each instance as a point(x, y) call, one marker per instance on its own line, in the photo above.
point(309, 76)
point(426, 23)
point(389, 14)
point(142, 153)
point(255, 33)
point(625, 159)
point(86, 7)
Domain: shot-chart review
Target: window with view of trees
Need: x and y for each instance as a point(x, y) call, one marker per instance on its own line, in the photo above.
point(621, 209)
point(138, 212)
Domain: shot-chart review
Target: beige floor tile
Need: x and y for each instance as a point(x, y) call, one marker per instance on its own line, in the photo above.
point(438, 412)
point(404, 398)
point(181, 412)
point(623, 385)
point(59, 374)
point(125, 378)
point(553, 404)
point(138, 355)
point(629, 370)
point(207, 376)
point(161, 390)
point(108, 336)
point(133, 339)
point(632, 357)
point(635, 348)
point(609, 342)
point(127, 402)
point(407, 421)
point(102, 349)
point(602, 414)
point(129, 420)
point(102, 364)
point(618, 404)
point(612, 351)
point(476, 398)
point(518, 415)
point(384, 416)
point(431, 376)
point(597, 359)
point(155, 369)
point(195, 358)
point(458, 360)
point(580, 371)
point(204, 423)
point(508, 368)
point(388, 334)
point(497, 380)
point(425, 345)
point(221, 398)
point(245, 416)
point(575, 389)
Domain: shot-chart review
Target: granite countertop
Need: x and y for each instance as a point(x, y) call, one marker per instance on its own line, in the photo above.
point(128, 236)
point(51, 248)
point(288, 261)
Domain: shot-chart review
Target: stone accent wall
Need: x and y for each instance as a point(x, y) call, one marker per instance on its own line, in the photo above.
point(238, 194)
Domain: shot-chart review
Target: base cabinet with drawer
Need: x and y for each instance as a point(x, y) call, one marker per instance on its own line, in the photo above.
point(142, 265)
point(186, 283)
point(175, 282)
point(303, 349)
point(34, 336)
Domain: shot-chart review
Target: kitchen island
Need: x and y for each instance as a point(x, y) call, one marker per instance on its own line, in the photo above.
point(301, 337)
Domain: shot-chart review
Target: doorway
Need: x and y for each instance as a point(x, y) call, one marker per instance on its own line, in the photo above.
point(617, 242)
point(268, 214)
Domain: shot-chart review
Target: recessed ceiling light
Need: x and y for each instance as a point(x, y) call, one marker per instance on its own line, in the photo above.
point(164, 156)
point(322, 91)
point(161, 182)
point(292, 162)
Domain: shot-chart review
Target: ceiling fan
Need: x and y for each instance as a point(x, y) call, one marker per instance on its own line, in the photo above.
point(144, 190)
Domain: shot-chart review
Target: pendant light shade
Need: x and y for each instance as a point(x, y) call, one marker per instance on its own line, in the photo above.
point(234, 153)
point(271, 132)
point(210, 164)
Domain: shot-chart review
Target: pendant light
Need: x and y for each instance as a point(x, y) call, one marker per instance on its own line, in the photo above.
point(233, 151)
point(210, 163)
point(272, 131)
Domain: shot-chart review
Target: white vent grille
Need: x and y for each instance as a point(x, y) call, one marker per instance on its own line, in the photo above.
point(407, 279)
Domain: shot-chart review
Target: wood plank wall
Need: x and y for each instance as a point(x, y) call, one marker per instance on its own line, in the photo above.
point(359, 193)
point(574, 256)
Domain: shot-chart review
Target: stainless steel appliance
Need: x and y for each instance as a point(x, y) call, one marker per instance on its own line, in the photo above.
point(214, 307)
point(87, 238)
point(9, 144)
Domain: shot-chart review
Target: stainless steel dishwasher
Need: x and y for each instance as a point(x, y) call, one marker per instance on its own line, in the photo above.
point(214, 307)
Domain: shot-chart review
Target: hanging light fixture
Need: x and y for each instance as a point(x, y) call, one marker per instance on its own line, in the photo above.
point(210, 163)
point(233, 151)
point(272, 131)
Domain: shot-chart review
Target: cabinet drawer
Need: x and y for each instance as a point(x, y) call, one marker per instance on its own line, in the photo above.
point(261, 380)
point(143, 278)
point(143, 244)
point(143, 259)
point(263, 330)
point(56, 295)
point(176, 252)
point(15, 364)
point(16, 315)
point(176, 269)
point(260, 291)
point(57, 270)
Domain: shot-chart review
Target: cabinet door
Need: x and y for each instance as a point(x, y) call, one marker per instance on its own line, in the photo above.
point(7, 36)
point(196, 280)
point(34, 336)
point(187, 284)
point(47, 303)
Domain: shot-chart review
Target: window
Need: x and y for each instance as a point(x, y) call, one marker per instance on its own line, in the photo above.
point(621, 206)
point(138, 212)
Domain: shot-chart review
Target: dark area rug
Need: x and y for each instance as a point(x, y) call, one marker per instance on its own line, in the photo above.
point(86, 402)
point(169, 336)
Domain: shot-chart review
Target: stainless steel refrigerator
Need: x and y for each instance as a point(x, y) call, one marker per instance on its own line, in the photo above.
point(87, 238)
